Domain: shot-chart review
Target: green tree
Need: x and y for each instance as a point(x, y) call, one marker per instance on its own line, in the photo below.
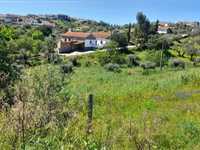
point(190, 50)
point(120, 38)
point(154, 27)
point(129, 33)
point(47, 31)
point(142, 29)
point(37, 35)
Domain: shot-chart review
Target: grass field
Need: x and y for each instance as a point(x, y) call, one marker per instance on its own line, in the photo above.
point(133, 109)
point(162, 108)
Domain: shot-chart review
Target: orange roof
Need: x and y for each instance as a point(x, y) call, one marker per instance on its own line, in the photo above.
point(163, 27)
point(101, 34)
point(76, 34)
point(87, 34)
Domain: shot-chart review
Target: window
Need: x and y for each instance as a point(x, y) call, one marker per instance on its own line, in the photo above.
point(101, 42)
point(90, 42)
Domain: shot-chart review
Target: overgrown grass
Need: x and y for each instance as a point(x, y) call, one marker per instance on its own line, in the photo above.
point(157, 104)
point(133, 109)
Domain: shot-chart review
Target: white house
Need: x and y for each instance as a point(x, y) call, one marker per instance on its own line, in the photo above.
point(73, 41)
point(97, 40)
point(162, 30)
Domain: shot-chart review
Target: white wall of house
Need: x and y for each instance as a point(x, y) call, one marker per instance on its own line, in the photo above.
point(96, 43)
point(162, 31)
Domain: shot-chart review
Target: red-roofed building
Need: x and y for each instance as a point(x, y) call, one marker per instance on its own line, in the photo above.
point(76, 41)
point(164, 27)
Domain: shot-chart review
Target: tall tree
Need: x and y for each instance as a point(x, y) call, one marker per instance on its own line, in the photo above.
point(129, 32)
point(142, 29)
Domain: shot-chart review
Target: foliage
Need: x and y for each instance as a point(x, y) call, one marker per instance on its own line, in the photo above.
point(133, 60)
point(47, 31)
point(131, 110)
point(142, 29)
point(112, 55)
point(74, 61)
point(8, 69)
point(37, 35)
point(154, 27)
point(148, 65)
point(68, 68)
point(176, 63)
point(112, 67)
point(119, 38)
point(157, 42)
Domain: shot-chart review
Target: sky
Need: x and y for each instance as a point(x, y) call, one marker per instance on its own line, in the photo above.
point(111, 11)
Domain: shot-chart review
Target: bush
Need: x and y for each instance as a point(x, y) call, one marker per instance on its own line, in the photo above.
point(176, 63)
point(68, 68)
point(112, 67)
point(157, 42)
point(87, 63)
point(111, 57)
point(104, 59)
point(196, 61)
point(132, 60)
point(148, 65)
point(120, 38)
point(74, 61)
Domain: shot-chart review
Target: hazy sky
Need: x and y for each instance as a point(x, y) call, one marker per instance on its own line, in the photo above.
point(112, 11)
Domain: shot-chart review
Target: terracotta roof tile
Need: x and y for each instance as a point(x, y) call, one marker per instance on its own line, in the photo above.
point(87, 34)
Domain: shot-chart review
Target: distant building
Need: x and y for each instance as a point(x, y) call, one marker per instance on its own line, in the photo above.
point(10, 18)
point(193, 24)
point(63, 17)
point(164, 27)
point(80, 41)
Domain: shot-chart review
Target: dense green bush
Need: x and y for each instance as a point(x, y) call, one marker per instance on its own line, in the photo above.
point(112, 67)
point(133, 60)
point(157, 42)
point(120, 38)
point(176, 63)
point(74, 61)
point(148, 65)
point(111, 57)
point(196, 61)
point(67, 68)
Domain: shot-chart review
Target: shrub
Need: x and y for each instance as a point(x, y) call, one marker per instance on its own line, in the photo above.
point(191, 130)
point(120, 38)
point(112, 67)
point(162, 141)
point(148, 65)
point(155, 56)
point(74, 61)
point(104, 59)
point(68, 68)
point(185, 78)
point(196, 61)
point(176, 63)
point(157, 42)
point(111, 57)
point(133, 60)
point(87, 63)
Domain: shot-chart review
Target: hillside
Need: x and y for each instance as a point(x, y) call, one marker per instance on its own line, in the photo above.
point(143, 97)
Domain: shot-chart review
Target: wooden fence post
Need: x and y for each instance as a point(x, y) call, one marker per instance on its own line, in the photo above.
point(90, 114)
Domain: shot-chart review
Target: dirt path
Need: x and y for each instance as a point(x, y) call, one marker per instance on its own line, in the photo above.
point(79, 53)
point(87, 52)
